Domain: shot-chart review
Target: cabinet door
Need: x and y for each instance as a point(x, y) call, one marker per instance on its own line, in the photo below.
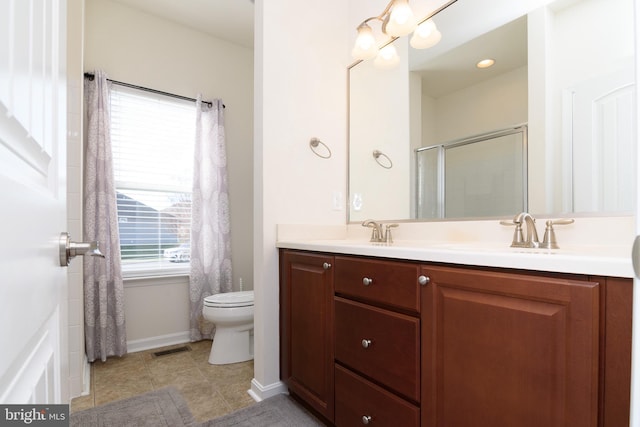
point(306, 328)
point(507, 349)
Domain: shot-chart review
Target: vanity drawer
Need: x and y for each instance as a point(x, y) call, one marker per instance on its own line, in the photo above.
point(390, 283)
point(380, 344)
point(357, 398)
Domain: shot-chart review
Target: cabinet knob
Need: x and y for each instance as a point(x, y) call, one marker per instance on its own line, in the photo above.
point(366, 343)
point(326, 266)
point(367, 281)
point(423, 280)
point(366, 419)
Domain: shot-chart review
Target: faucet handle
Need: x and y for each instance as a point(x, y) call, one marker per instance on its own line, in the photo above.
point(549, 240)
point(518, 238)
point(387, 233)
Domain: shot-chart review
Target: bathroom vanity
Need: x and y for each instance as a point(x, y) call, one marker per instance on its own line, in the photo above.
point(370, 335)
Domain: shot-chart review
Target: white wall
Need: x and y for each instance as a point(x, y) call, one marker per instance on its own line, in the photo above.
point(491, 105)
point(141, 49)
point(167, 322)
point(379, 120)
point(300, 92)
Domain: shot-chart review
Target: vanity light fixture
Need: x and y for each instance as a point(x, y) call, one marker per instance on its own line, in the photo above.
point(426, 35)
point(387, 57)
point(485, 63)
point(397, 20)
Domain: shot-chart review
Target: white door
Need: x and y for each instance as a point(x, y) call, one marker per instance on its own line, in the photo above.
point(603, 137)
point(33, 286)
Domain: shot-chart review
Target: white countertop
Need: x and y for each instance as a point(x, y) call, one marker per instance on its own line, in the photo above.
point(600, 260)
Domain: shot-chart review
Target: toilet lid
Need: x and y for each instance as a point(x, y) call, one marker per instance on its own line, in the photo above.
point(230, 299)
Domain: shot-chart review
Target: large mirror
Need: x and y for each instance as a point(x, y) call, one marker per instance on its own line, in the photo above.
point(563, 72)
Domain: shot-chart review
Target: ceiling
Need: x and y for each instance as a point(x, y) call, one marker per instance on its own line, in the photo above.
point(455, 69)
point(230, 20)
point(233, 21)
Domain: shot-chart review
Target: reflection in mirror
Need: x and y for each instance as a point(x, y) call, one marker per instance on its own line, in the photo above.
point(571, 85)
point(481, 176)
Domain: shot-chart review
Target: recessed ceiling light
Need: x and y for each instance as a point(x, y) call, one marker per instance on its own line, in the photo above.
point(485, 63)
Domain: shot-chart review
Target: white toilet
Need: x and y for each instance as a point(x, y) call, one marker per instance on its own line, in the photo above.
point(232, 313)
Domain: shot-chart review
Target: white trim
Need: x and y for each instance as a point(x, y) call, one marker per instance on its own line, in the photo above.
point(86, 377)
point(129, 272)
point(130, 282)
point(634, 412)
point(156, 342)
point(258, 392)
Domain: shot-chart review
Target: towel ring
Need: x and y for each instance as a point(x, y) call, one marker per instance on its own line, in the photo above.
point(388, 164)
point(314, 143)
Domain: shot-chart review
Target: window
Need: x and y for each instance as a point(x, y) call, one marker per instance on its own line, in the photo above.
point(152, 140)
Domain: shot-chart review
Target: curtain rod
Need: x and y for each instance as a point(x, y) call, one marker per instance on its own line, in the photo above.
point(91, 76)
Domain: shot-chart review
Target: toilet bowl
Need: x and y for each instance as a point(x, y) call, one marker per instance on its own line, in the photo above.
point(232, 313)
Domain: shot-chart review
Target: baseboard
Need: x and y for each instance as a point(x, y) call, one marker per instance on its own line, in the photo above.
point(258, 392)
point(86, 371)
point(157, 342)
point(80, 385)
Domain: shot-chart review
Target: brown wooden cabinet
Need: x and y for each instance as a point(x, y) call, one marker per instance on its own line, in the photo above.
point(614, 396)
point(509, 349)
point(367, 340)
point(306, 328)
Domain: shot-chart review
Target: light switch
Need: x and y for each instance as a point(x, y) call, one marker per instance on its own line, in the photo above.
point(337, 200)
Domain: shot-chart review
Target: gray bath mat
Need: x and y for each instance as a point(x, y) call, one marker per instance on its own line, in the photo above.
point(164, 407)
point(277, 411)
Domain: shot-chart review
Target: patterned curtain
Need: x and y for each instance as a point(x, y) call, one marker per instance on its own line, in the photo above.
point(210, 228)
point(105, 333)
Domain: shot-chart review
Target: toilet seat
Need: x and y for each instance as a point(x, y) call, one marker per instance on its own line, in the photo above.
point(230, 299)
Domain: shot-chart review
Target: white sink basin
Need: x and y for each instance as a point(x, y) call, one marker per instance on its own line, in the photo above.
point(479, 247)
point(577, 250)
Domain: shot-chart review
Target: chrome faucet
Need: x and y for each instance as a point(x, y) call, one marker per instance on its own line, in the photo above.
point(377, 236)
point(376, 232)
point(549, 240)
point(532, 241)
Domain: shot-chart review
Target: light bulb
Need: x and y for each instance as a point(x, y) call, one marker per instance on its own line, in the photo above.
point(387, 57)
point(485, 63)
point(401, 20)
point(426, 35)
point(365, 46)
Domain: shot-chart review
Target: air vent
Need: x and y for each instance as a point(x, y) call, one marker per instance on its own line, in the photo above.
point(171, 351)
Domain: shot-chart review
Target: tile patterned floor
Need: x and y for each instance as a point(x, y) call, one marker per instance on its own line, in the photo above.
point(210, 390)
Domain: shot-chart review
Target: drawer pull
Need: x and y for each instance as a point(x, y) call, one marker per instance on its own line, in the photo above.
point(366, 343)
point(367, 281)
point(423, 280)
point(326, 266)
point(366, 419)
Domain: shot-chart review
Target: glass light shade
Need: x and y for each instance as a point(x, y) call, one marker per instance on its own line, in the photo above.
point(401, 21)
point(387, 57)
point(366, 46)
point(426, 35)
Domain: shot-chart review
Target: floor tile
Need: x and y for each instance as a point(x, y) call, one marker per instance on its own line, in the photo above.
point(209, 390)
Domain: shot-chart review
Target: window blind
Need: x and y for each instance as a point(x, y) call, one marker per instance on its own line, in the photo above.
point(152, 140)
